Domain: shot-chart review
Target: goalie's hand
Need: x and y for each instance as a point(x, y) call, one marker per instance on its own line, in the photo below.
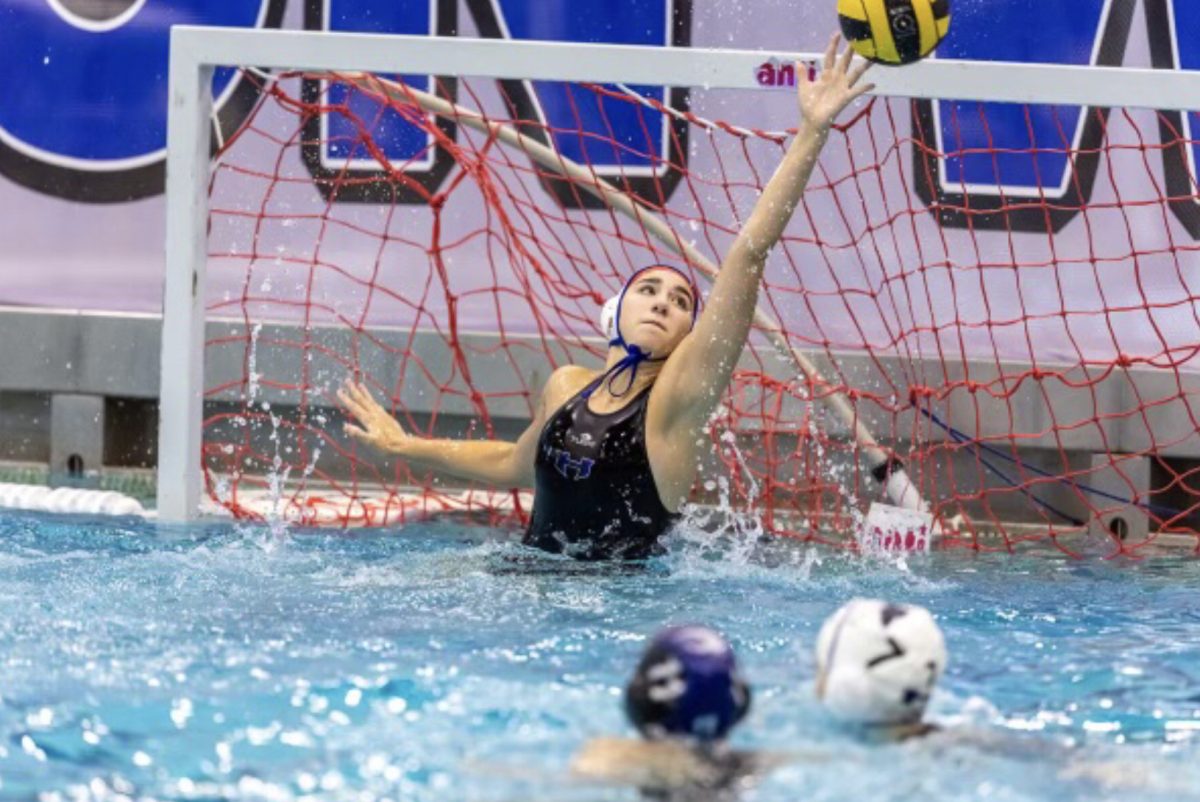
point(836, 86)
point(377, 428)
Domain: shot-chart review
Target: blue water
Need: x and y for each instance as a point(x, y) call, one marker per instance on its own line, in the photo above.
point(423, 663)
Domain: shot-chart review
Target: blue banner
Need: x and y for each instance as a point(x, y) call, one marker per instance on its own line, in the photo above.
point(85, 112)
point(995, 156)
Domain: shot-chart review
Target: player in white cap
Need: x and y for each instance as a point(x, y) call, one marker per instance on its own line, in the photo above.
point(877, 664)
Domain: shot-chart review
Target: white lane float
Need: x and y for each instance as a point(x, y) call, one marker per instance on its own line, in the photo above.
point(71, 500)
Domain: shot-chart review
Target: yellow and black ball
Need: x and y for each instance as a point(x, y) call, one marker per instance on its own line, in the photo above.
point(894, 31)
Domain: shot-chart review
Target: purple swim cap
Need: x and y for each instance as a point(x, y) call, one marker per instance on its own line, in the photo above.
point(687, 685)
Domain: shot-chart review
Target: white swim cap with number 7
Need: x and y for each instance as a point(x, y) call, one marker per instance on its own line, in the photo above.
point(877, 663)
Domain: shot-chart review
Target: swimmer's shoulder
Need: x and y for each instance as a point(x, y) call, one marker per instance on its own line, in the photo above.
point(663, 765)
point(907, 732)
point(564, 383)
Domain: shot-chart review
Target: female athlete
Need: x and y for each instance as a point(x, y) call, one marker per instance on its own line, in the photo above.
point(612, 455)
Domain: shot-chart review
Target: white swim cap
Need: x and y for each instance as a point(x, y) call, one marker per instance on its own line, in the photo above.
point(877, 662)
point(608, 317)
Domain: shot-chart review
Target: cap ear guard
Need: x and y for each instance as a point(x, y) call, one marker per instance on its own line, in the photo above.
point(608, 318)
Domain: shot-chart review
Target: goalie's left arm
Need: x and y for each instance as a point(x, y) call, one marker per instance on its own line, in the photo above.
point(698, 372)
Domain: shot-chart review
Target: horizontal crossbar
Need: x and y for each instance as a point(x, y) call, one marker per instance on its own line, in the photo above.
point(673, 66)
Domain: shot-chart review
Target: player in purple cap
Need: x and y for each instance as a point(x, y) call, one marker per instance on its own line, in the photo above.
point(612, 454)
point(687, 686)
point(685, 698)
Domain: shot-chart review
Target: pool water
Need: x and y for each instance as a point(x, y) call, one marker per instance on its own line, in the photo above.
point(440, 662)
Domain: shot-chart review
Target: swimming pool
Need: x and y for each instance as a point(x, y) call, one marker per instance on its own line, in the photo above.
point(425, 663)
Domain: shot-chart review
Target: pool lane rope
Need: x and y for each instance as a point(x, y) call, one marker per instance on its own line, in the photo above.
point(70, 500)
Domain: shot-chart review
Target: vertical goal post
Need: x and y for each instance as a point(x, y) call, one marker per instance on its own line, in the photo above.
point(196, 52)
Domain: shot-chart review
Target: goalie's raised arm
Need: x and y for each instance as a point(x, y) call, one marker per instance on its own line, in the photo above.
point(723, 327)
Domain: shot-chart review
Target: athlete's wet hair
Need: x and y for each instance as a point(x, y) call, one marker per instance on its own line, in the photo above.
point(687, 686)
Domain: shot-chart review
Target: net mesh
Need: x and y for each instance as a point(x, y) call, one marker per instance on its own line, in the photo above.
point(1026, 351)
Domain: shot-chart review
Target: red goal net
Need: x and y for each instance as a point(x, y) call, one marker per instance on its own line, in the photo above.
point(1003, 296)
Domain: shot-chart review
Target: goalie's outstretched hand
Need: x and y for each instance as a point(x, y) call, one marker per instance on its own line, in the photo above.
point(837, 85)
point(377, 428)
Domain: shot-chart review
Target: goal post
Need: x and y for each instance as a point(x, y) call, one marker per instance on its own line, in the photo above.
point(181, 382)
point(491, 138)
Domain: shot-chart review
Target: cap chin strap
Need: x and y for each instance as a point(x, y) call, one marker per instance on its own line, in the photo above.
point(634, 358)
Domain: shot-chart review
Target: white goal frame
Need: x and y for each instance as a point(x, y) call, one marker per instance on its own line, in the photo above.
point(197, 51)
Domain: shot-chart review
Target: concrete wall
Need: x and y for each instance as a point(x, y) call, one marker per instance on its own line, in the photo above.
point(49, 354)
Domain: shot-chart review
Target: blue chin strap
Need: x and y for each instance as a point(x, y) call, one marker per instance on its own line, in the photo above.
point(635, 356)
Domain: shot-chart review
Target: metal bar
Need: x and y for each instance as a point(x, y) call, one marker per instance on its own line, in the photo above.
point(182, 361)
point(692, 67)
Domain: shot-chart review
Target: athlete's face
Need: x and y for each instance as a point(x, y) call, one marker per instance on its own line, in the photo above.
point(656, 313)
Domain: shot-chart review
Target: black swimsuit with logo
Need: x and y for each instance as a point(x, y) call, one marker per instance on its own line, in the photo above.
point(594, 494)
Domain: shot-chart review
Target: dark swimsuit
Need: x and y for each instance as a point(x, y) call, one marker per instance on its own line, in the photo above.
point(594, 494)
